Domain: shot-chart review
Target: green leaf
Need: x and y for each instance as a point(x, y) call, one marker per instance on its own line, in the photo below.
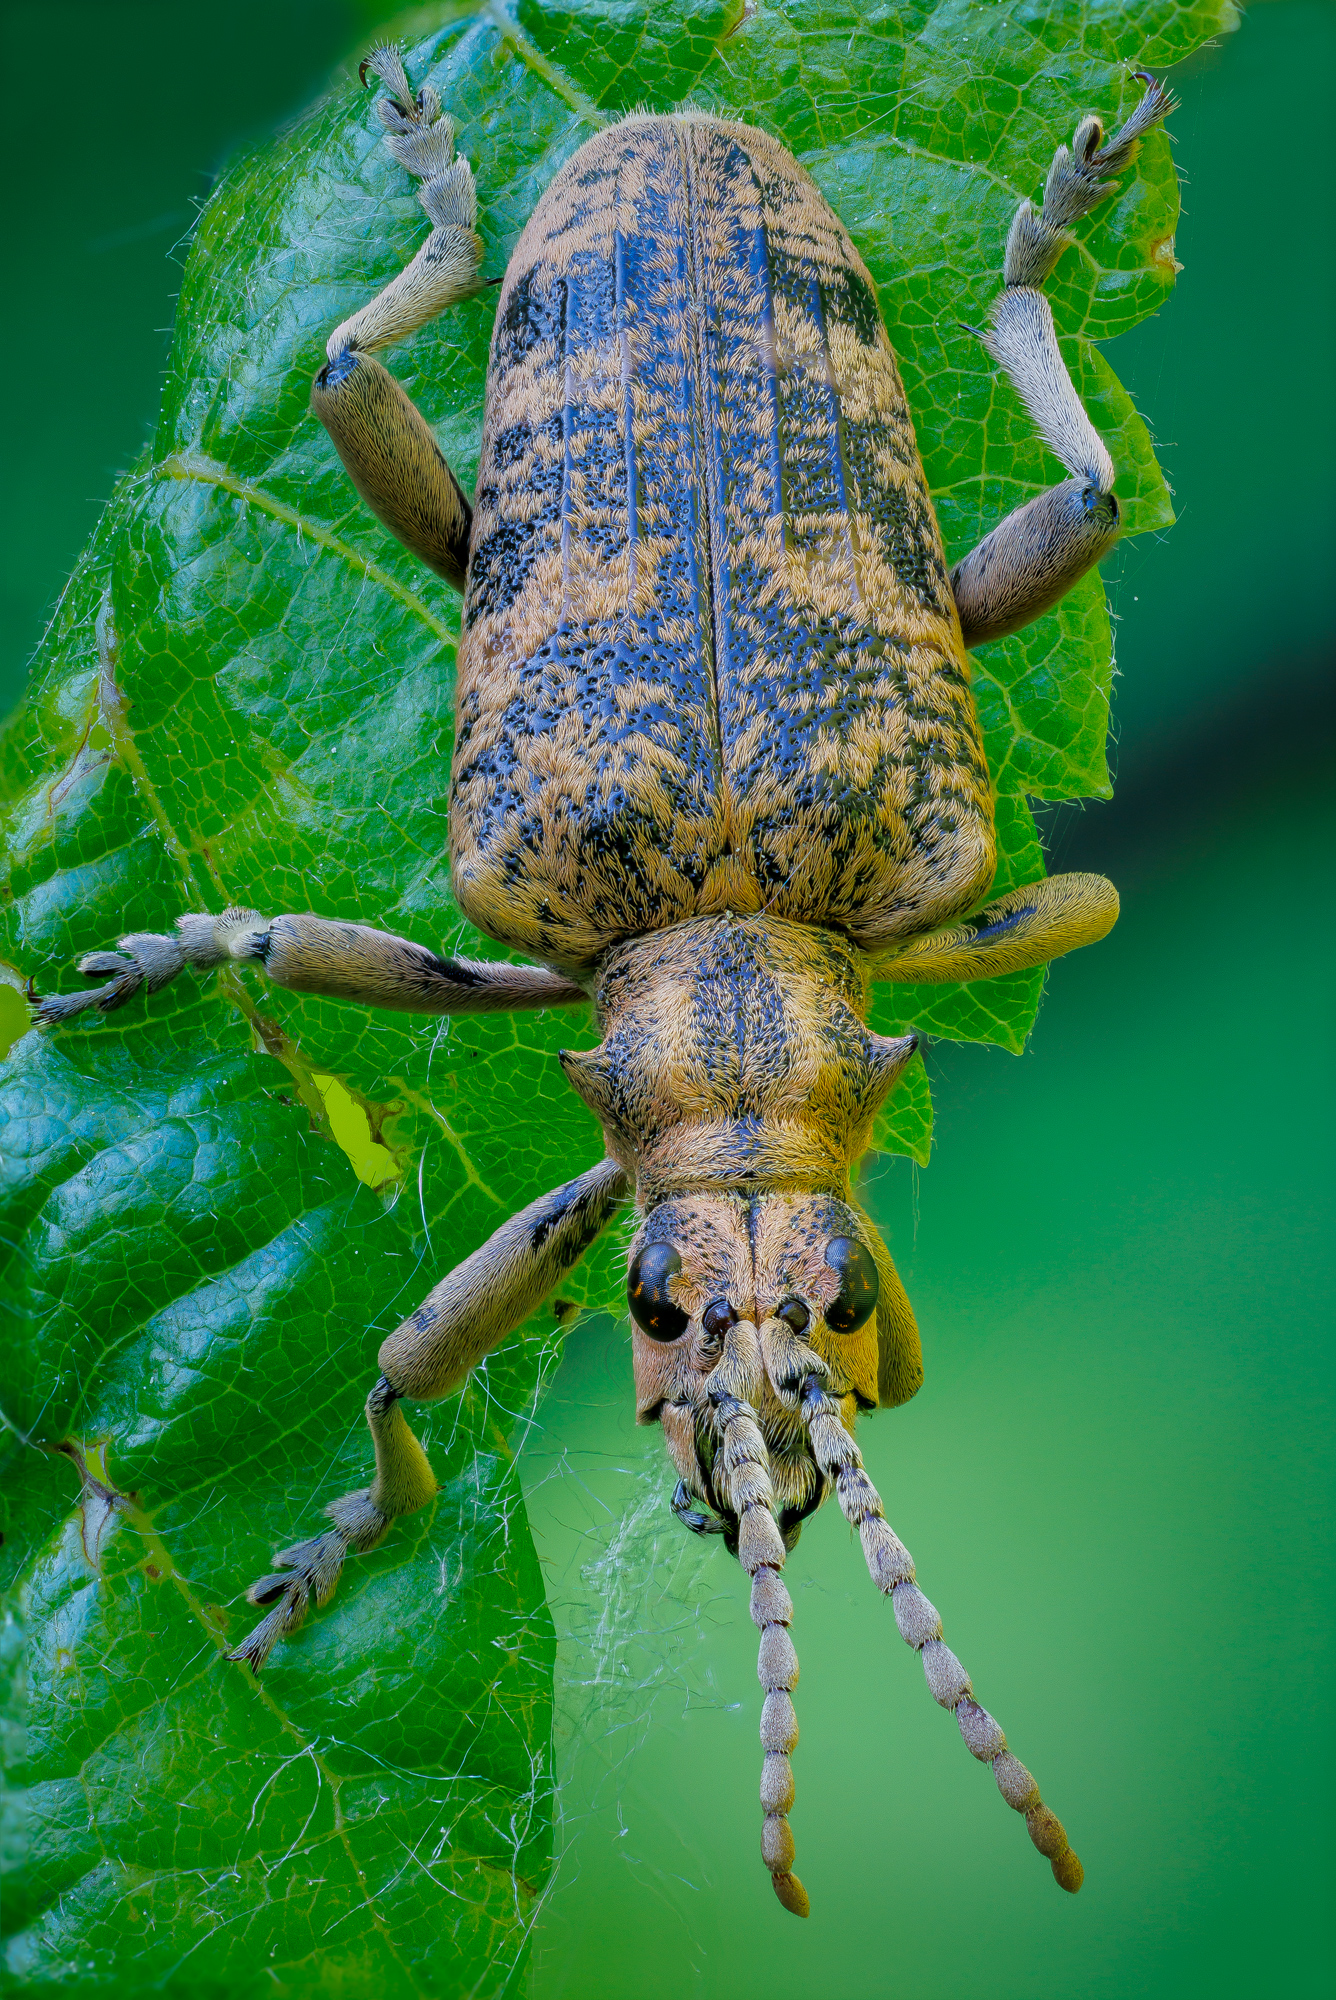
point(218, 1201)
point(904, 1123)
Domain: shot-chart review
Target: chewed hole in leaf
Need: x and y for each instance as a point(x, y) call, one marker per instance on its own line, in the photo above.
point(14, 1017)
point(348, 1121)
point(98, 1499)
point(356, 1124)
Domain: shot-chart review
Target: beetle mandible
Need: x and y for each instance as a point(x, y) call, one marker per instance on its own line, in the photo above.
point(717, 768)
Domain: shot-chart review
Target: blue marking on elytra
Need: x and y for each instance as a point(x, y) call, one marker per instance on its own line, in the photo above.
point(628, 390)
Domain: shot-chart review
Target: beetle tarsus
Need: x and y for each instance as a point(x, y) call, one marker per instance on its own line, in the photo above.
point(308, 1574)
point(1035, 556)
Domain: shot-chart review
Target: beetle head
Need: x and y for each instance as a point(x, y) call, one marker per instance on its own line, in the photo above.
point(751, 1296)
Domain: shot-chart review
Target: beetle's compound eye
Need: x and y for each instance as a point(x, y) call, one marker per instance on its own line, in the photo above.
point(795, 1314)
point(856, 1299)
point(652, 1308)
point(717, 1318)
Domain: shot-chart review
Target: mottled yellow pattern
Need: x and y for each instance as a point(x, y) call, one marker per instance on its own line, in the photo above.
point(710, 659)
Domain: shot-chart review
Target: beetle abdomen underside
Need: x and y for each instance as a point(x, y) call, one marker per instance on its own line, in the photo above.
point(710, 655)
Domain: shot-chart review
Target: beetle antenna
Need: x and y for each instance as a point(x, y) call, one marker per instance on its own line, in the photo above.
point(892, 1570)
point(741, 1474)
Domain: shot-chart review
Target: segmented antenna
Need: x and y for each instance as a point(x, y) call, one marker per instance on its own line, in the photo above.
point(892, 1570)
point(741, 1474)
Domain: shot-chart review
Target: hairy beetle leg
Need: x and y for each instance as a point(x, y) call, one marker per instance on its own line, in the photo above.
point(309, 954)
point(430, 1355)
point(1029, 926)
point(404, 1482)
point(386, 445)
point(1033, 557)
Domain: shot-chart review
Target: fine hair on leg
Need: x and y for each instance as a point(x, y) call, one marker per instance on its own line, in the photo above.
point(307, 954)
point(429, 1356)
point(422, 139)
point(892, 1570)
point(387, 446)
point(309, 1571)
point(741, 1476)
point(1029, 926)
point(1033, 558)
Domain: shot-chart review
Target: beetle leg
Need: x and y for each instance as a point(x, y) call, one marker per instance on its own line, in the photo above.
point(1025, 927)
point(309, 1571)
point(430, 1356)
point(312, 955)
point(1033, 557)
point(488, 1295)
point(387, 446)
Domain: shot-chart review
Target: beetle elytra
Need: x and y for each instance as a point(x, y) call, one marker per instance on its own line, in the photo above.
point(717, 770)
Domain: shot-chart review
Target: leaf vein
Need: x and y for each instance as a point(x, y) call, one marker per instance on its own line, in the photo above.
point(207, 471)
point(546, 71)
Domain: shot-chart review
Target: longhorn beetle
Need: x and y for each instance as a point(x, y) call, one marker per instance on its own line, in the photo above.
point(717, 768)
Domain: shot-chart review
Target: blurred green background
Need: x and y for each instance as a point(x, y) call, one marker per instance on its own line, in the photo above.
point(1117, 1481)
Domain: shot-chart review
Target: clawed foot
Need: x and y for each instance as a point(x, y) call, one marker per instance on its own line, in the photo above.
point(144, 960)
point(150, 959)
point(50, 1009)
point(420, 136)
point(308, 1574)
point(311, 1570)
